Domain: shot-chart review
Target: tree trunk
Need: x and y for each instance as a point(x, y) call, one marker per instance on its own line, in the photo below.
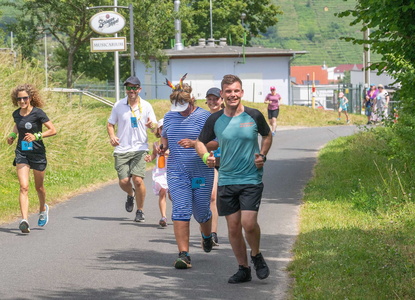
point(69, 70)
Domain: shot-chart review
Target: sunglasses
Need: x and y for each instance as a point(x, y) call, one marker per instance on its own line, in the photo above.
point(132, 88)
point(22, 98)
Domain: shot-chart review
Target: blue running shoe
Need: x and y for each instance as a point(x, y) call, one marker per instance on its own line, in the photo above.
point(43, 217)
point(24, 226)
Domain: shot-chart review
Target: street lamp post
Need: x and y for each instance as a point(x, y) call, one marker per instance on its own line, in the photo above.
point(243, 16)
point(211, 23)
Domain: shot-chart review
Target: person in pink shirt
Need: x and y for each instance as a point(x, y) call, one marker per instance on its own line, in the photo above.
point(273, 101)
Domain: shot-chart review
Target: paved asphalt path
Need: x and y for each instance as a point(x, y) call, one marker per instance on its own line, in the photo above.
point(92, 249)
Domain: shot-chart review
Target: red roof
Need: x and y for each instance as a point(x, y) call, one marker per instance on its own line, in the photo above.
point(348, 67)
point(299, 74)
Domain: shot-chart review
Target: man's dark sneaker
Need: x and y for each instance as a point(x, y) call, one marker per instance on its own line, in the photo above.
point(215, 239)
point(260, 266)
point(139, 216)
point(129, 205)
point(183, 261)
point(207, 243)
point(243, 275)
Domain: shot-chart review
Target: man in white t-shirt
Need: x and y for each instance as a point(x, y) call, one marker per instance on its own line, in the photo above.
point(132, 115)
point(381, 103)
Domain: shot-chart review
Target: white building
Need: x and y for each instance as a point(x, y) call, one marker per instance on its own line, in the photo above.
point(206, 64)
point(358, 77)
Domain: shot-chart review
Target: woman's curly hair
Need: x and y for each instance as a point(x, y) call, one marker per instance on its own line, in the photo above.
point(35, 99)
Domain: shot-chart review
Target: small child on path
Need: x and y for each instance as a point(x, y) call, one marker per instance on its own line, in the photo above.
point(159, 175)
point(343, 106)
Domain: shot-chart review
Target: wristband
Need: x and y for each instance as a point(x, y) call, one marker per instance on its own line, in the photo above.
point(13, 135)
point(205, 157)
point(38, 136)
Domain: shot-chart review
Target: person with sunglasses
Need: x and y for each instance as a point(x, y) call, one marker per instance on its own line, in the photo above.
point(132, 115)
point(30, 150)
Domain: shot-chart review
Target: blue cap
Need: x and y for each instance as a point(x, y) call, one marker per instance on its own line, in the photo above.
point(213, 91)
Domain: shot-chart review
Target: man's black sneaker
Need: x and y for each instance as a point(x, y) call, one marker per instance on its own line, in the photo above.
point(183, 261)
point(139, 216)
point(215, 239)
point(207, 243)
point(243, 275)
point(260, 266)
point(129, 205)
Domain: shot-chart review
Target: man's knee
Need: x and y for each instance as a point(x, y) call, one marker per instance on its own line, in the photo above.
point(138, 181)
point(250, 226)
point(124, 181)
point(234, 226)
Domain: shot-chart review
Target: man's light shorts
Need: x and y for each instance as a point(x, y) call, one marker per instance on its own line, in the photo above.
point(130, 163)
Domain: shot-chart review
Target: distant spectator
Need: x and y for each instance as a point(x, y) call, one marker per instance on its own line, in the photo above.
point(369, 102)
point(273, 101)
point(381, 103)
point(343, 101)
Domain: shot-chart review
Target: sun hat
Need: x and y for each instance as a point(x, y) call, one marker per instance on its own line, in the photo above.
point(178, 107)
point(272, 88)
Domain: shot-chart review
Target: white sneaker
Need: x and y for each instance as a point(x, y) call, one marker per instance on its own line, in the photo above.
point(24, 226)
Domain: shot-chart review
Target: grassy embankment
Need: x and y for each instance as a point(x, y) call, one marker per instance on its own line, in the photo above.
point(357, 224)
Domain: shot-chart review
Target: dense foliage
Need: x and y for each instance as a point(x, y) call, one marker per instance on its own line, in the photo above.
point(67, 22)
point(391, 35)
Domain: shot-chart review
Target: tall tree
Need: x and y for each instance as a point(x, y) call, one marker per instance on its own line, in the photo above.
point(392, 32)
point(226, 19)
point(67, 21)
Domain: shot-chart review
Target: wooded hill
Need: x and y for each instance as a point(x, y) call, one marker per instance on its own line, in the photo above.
point(311, 25)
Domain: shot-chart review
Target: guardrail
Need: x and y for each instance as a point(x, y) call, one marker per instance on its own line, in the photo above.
point(86, 93)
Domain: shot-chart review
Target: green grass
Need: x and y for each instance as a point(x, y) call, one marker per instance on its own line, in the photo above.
point(356, 236)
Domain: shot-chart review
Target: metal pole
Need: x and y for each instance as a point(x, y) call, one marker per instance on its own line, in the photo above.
point(308, 89)
point(46, 62)
point(116, 67)
point(132, 51)
point(313, 99)
point(366, 53)
point(211, 24)
point(243, 16)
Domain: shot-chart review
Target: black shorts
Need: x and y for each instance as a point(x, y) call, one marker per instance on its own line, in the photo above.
point(232, 198)
point(273, 113)
point(36, 161)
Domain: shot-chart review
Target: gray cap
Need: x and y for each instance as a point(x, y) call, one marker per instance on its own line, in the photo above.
point(133, 80)
point(213, 91)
